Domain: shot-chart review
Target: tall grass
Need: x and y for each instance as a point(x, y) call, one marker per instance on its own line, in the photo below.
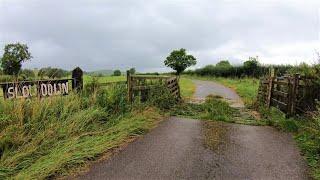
point(49, 137)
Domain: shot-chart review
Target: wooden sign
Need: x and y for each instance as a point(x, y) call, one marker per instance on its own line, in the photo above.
point(42, 88)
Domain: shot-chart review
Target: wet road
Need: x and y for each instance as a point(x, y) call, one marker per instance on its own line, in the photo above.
point(177, 149)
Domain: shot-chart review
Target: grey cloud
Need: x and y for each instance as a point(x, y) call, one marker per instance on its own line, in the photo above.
point(121, 34)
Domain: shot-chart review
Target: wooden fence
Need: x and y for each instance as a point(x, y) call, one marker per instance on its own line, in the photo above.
point(43, 88)
point(140, 85)
point(291, 94)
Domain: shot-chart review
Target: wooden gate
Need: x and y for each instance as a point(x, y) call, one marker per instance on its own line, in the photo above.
point(291, 94)
point(140, 85)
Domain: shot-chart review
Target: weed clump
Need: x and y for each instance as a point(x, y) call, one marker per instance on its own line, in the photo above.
point(214, 108)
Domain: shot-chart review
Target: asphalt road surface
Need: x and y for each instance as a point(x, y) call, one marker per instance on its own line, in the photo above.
point(177, 149)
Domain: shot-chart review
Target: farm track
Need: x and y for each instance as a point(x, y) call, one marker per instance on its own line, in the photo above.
point(191, 149)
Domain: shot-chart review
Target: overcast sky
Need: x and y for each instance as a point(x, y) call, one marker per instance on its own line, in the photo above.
point(108, 34)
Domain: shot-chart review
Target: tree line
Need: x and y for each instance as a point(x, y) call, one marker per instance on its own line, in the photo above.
point(250, 68)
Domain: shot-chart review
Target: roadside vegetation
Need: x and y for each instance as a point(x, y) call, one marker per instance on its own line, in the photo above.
point(187, 87)
point(59, 135)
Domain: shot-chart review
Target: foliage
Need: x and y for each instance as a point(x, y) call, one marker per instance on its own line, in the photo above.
point(224, 64)
point(92, 86)
point(149, 73)
point(27, 74)
point(52, 72)
point(8, 78)
point(250, 68)
point(214, 109)
point(308, 71)
point(160, 96)
point(46, 138)
point(117, 73)
point(13, 57)
point(179, 60)
point(132, 70)
point(217, 109)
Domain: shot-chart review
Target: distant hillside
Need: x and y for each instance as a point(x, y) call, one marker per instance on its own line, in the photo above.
point(101, 72)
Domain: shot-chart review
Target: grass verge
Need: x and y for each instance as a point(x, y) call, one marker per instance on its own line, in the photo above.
point(187, 87)
point(52, 137)
point(306, 132)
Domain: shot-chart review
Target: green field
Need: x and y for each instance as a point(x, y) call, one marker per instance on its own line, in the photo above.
point(103, 79)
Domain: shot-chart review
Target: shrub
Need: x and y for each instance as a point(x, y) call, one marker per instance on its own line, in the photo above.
point(161, 97)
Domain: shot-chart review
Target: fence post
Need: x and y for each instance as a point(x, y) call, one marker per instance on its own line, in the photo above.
point(77, 76)
point(270, 86)
point(289, 99)
point(294, 93)
point(129, 87)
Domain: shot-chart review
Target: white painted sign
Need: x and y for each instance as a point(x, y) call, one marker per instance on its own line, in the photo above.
point(42, 89)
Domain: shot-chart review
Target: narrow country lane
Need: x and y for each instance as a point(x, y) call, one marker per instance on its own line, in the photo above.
point(176, 150)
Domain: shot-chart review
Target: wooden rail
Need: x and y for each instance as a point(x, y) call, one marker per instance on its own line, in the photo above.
point(291, 94)
point(140, 85)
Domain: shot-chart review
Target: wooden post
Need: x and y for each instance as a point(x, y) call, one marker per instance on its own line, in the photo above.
point(129, 87)
point(289, 98)
point(178, 86)
point(77, 76)
point(294, 93)
point(270, 87)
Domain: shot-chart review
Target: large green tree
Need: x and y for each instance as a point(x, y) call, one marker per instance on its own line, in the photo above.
point(132, 70)
point(13, 57)
point(224, 64)
point(117, 72)
point(179, 60)
point(251, 66)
